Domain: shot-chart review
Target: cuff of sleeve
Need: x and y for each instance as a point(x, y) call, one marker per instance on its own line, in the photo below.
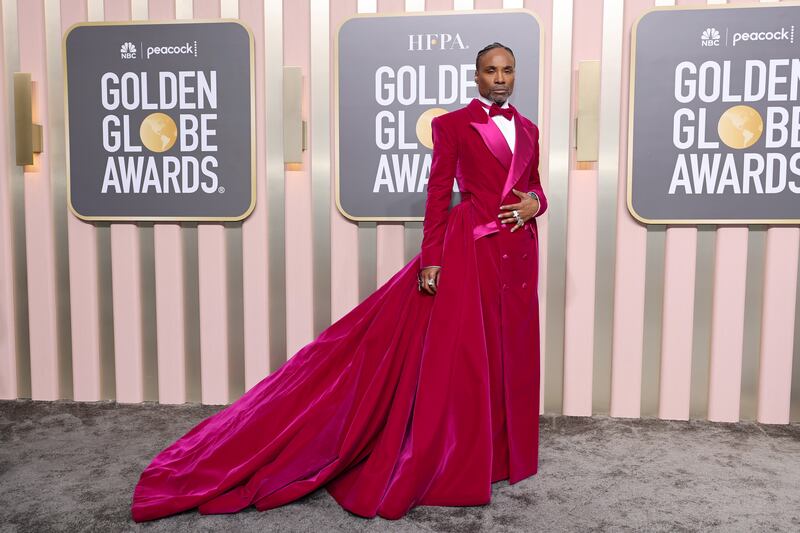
point(539, 202)
point(430, 257)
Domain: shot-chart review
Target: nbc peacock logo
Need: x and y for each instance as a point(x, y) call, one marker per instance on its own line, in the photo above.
point(709, 37)
point(127, 50)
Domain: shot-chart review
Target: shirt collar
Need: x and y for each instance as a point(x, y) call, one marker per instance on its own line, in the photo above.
point(489, 102)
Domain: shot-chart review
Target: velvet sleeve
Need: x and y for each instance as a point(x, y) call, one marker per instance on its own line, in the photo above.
point(440, 187)
point(536, 184)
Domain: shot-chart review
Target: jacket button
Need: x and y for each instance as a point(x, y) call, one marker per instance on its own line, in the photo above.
point(505, 286)
point(524, 256)
point(524, 284)
point(505, 256)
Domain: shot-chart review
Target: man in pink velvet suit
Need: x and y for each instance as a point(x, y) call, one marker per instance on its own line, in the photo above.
point(493, 153)
point(428, 390)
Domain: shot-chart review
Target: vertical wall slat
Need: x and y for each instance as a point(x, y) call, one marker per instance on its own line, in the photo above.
point(323, 212)
point(54, 135)
point(212, 272)
point(701, 335)
point(629, 271)
point(727, 323)
point(580, 287)
point(170, 314)
point(608, 166)
point(554, 168)
point(39, 221)
point(84, 276)
point(777, 325)
point(581, 236)
point(753, 310)
point(300, 261)
point(677, 323)
point(255, 264)
point(126, 280)
point(276, 177)
point(390, 250)
point(12, 366)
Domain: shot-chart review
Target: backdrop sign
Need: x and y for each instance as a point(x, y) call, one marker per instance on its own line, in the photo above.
point(394, 74)
point(715, 121)
point(160, 121)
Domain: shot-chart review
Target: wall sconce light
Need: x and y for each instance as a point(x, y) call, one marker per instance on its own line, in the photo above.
point(28, 136)
point(587, 122)
point(295, 130)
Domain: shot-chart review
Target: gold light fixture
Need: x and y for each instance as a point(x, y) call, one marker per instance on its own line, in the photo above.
point(295, 129)
point(588, 120)
point(28, 136)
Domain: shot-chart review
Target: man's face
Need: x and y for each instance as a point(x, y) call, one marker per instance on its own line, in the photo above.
point(495, 75)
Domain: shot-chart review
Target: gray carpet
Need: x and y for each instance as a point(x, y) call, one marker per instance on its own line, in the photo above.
point(68, 466)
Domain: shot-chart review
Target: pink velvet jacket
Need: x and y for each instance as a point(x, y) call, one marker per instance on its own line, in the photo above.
point(469, 147)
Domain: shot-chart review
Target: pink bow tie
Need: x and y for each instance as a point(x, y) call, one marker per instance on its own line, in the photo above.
point(495, 109)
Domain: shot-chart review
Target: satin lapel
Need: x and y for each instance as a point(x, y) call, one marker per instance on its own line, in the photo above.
point(523, 151)
point(492, 136)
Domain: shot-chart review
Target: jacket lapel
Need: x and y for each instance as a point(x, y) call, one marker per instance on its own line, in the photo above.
point(492, 136)
point(523, 151)
point(516, 162)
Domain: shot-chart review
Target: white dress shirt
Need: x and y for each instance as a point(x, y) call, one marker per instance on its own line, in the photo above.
point(506, 126)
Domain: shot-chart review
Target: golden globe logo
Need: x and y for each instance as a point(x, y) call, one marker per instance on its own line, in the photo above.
point(191, 97)
point(701, 166)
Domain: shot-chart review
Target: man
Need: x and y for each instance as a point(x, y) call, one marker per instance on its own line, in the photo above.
point(493, 152)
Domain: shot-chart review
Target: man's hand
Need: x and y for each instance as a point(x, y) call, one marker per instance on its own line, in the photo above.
point(429, 273)
point(527, 208)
